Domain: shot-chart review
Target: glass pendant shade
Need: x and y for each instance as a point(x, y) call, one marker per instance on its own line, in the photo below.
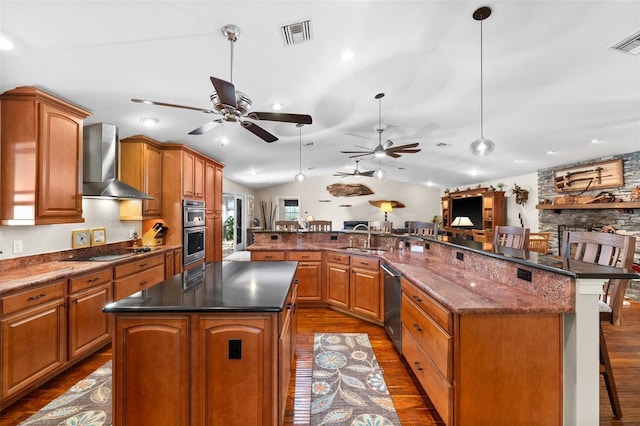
point(482, 147)
point(300, 177)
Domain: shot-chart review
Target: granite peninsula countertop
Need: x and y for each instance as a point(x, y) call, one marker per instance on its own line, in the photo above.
point(216, 287)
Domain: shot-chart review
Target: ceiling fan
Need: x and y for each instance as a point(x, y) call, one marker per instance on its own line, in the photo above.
point(387, 148)
point(234, 105)
point(356, 172)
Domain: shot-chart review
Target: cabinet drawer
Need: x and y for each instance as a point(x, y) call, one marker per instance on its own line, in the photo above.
point(439, 313)
point(267, 255)
point(306, 256)
point(26, 299)
point(138, 265)
point(89, 280)
point(365, 262)
point(338, 258)
point(433, 340)
point(440, 392)
point(127, 286)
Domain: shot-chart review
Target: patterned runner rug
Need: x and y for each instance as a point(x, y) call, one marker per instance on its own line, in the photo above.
point(87, 403)
point(348, 387)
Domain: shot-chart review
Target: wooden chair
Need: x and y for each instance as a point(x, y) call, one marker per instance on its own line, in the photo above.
point(482, 235)
point(428, 229)
point(539, 242)
point(383, 227)
point(607, 250)
point(511, 236)
point(319, 225)
point(287, 225)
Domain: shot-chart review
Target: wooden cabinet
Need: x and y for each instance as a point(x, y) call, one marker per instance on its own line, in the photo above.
point(213, 211)
point(355, 283)
point(41, 158)
point(268, 255)
point(308, 275)
point(477, 367)
point(88, 325)
point(172, 263)
point(485, 208)
point(33, 336)
point(141, 167)
point(193, 178)
point(138, 275)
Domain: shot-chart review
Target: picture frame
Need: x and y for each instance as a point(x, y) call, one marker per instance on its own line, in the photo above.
point(80, 238)
point(592, 176)
point(98, 236)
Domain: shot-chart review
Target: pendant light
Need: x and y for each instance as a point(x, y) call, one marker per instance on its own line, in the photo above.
point(379, 174)
point(300, 177)
point(482, 146)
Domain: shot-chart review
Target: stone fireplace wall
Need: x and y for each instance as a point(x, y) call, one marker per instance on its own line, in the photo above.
point(593, 220)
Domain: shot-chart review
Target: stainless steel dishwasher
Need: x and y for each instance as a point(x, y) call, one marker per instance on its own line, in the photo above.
point(392, 305)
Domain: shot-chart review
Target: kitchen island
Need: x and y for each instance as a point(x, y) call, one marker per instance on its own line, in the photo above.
point(212, 345)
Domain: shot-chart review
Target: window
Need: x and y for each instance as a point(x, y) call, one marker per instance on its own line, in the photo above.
point(291, 209)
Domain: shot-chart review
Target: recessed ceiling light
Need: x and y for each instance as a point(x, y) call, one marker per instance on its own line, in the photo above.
point(276, 106)
point(519, 160)
point(223, 141)
point(5, 43)
point(347, 55)
point(552, 152)
point(596, 140)
point(149, 121)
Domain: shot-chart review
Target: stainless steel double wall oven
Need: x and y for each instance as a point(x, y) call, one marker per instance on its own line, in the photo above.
point(194, 231)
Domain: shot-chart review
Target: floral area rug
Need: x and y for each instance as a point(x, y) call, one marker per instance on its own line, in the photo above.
point(348, 387)
point(87, 403)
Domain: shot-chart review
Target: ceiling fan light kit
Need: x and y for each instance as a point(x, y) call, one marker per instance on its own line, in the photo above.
point(482, 146)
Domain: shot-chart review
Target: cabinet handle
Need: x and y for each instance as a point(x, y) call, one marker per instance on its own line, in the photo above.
point(92, 280)
point(417, 298)
point(142, 265)
point(75, 300)
point(143, 283)
point(417, 327)
point(305, 257)
point(41, 295)
point(417, 364)
point(268, 257)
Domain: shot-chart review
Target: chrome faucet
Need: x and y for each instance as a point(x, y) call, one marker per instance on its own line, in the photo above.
point(367, 243)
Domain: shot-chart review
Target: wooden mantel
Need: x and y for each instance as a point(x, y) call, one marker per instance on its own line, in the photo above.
point(591, 206)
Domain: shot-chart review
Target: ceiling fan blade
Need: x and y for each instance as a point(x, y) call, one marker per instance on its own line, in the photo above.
point(393, 155)
point(278, 116)
point(409, 145)
point(342, 174)
point(144, 101)
point(205, 127)
point(404, 151)
point(259, 131)
point(387, 144)
point(226, 92)
point(369, 174)
point(364, 147)
point(357, 152)
point(359, 155)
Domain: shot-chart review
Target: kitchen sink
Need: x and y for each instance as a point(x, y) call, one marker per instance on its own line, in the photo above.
point(364, 250)
point(110, 256)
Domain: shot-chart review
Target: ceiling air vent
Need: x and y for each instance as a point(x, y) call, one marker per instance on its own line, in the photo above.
point(296, 33)
point(630, 44)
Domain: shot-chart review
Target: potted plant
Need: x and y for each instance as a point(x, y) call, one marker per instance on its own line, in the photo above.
point(228, 228)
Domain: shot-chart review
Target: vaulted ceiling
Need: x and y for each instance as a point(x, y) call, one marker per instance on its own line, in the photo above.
point(551, 82)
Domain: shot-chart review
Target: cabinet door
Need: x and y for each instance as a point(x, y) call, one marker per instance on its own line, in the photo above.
point(237, 359)
point(33, 345)
point(365, 292)
point(210, 192)
point(88, 325)
point(309, 276)
point(162, 375)
point(60, 153)
point(198, 178)
point(188, 169)
point(153, 181)
point(284, 357)
point(338, 284)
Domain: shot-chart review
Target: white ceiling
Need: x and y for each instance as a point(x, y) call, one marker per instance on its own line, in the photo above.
point(551, 83)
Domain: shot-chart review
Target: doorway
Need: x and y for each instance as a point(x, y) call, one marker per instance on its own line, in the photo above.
point(233, 226)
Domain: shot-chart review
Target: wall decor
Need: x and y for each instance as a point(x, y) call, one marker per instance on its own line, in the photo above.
point(98, 236)
point(349, 190)
point(80, 238)
point(604, 174)
point(395, 204)
point(522, 195)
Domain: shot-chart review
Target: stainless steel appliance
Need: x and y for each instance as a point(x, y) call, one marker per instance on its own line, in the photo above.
point(392, 305)
point(193, 240)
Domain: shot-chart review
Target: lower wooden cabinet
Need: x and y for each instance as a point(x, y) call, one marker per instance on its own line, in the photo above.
point(338, 279)
point(172, 263)
point(308, 275)
point(477, 369)
point(33, 336)
point(138, 275)
point(88, 325)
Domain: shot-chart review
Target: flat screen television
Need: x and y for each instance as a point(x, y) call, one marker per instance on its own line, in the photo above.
point(470, 207)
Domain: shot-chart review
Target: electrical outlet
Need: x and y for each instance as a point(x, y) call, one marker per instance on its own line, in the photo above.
point(459, 255)
point(17, 246)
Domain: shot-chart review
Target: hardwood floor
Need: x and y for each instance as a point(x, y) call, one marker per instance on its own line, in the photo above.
point(413, 407)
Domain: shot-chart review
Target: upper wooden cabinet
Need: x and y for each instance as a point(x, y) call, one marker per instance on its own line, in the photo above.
point(41, 158)
point(485, 208)
point(193, 176)
point(141, 167)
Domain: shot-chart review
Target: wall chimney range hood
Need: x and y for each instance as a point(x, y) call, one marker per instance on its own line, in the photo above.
point(100, 154)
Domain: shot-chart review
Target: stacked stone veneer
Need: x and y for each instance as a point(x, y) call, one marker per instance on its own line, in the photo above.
point(585, 219)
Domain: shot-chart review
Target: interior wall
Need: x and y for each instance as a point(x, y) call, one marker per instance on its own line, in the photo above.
point(421, 203)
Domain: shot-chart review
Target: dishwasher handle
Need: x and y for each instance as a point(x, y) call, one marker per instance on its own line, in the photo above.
point(390, 271)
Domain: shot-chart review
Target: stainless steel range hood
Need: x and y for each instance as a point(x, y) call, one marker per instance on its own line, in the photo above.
point(100, 154)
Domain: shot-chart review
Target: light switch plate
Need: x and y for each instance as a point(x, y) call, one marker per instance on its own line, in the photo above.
point(419, 249)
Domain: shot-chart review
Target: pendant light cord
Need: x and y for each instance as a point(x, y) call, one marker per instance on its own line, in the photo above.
point(300, 151)
point(481, 88)
point(231, 64)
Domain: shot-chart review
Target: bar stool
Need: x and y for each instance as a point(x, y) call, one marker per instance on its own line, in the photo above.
point(319, 225)
point(287, 225)
point(514, 237)
point(607, 250)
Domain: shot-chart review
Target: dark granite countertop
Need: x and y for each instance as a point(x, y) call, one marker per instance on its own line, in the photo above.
point(216, 287)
